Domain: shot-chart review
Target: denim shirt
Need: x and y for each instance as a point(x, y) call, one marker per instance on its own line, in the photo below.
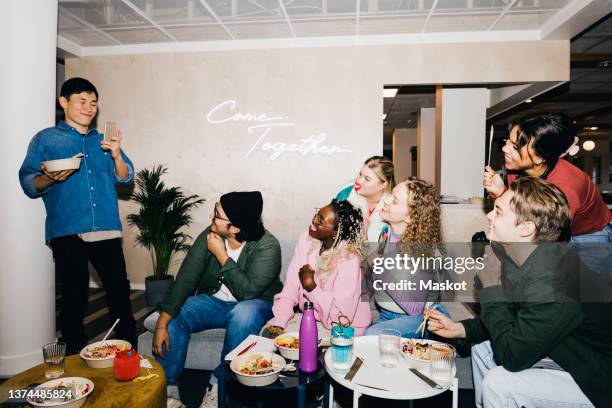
point(87, 200)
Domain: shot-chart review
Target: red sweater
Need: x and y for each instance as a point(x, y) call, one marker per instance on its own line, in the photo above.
point(588, 211)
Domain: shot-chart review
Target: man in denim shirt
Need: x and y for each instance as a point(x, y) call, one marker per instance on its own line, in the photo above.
point(82, 221)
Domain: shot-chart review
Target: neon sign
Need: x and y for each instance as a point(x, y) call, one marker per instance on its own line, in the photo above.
point(261, 127)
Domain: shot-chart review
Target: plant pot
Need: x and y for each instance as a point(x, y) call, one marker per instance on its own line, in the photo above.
point(156, 289)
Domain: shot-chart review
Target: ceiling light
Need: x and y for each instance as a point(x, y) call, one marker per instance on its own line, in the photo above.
point(384, 116)
point(528, 100)
point(588, 145)
point(389, 92)
point(594, 128)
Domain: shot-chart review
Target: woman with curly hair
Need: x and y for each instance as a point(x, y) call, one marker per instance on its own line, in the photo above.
point(325, 269)
point(413, 212)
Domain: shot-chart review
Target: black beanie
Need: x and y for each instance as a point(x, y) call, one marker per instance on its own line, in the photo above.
point(243, 208)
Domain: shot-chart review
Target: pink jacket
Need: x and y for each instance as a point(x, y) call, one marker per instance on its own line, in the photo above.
point(340, 295)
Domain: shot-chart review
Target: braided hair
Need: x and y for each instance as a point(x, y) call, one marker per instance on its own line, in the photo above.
point(349, 221)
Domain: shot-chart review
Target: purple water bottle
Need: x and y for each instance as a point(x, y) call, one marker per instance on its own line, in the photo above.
point(309, 338)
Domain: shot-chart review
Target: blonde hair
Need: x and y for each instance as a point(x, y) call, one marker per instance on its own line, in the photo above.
point(542, 203)
point(423, 231)
point(384, 170)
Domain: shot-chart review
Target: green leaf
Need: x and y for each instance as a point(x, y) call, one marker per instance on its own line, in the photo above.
point(163, 212)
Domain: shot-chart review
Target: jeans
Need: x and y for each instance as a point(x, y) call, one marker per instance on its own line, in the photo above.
point(203, 312)
point(403, 323)
point(594, 251)
point(496, 387)
point(71, 255)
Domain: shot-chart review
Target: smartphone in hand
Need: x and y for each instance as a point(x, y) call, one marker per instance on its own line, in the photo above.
point(110, 131)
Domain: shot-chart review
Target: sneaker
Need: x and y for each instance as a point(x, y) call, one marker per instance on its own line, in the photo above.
point(172, 391)
point(211, 399)
point(174, 403)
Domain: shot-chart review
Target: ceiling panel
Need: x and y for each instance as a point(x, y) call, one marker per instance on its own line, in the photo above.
point(255, 30)
point(540, 4)
point(174, 11)
point(390, 25)
point(449, 22)
point(523, 20)
point(413, 7)
point(67, 22)
point(246, 10)
point(101, 13)
point(316, 28)
point(139, 36)
point(89, 39)
point(198, 33)
point(303, 8)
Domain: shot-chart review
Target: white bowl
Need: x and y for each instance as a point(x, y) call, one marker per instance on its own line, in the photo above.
point(257, 380)
point(71, 163)
point(288, 353)
point(106, 361)
point(76, 403)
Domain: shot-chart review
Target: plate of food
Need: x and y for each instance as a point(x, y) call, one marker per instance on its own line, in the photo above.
point(419, 349)
point(98, 355)
point(288, 345)
point(67, 392)
point(257, 369)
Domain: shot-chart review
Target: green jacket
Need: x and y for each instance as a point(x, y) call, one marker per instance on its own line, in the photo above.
point(255, 275)
point(540, 310)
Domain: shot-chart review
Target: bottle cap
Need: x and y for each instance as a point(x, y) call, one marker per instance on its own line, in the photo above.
point(308, 305)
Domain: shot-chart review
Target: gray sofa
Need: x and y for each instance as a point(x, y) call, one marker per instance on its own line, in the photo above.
point(205, 347)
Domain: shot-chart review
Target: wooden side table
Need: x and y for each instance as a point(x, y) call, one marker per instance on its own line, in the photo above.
point(108, 391)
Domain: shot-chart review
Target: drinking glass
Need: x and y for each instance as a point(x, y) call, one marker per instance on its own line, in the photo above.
point(388, 347)
point(442, 360)
point(342, 347)
point(54, 355)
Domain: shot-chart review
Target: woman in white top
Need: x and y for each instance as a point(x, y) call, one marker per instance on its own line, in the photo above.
point(368, 192)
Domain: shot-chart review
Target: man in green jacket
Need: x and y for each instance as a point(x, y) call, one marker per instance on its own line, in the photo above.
point(227, 280)
point(544, 334)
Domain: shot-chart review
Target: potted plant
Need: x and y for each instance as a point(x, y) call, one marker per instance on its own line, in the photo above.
point(163, 213)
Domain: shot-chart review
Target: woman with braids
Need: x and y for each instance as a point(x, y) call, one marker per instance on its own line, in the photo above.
point(368, 192)
point(325, 269)
point(413, 213)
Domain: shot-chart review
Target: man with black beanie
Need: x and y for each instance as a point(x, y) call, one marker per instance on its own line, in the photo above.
point(227, 280)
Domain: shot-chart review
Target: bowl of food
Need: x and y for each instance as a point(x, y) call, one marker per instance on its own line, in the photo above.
point(98, 355)
point(257, 369)
point(67, 392)
point(419, 349)
point(288, 345)
point(71, 163)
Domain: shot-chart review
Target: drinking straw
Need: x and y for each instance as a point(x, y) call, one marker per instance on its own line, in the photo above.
point(109, 331)
point(490, 145)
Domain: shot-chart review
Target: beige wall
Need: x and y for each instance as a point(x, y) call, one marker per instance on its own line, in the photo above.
point(161, 102)
point(403, 141)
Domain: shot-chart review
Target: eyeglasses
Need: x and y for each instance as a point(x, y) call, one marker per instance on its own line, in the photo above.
point(216, 215)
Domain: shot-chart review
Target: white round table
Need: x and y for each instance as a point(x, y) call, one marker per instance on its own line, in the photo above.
point(397, 383)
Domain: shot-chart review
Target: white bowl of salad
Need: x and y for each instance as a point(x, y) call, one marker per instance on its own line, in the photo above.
point(257, 369)
point(98, 355)
point(66, 392)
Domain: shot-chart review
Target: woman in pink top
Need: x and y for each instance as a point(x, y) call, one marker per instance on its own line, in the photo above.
point(325, 269)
